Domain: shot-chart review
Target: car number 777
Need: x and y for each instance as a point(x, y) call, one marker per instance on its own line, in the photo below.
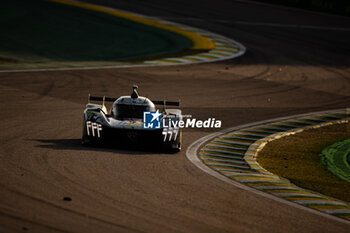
point(172, 132)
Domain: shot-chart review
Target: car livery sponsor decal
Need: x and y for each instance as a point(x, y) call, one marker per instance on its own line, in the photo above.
point(94, 129)
point(151, 120)
point(170, 134)
point(132, 123)
point(92, 115)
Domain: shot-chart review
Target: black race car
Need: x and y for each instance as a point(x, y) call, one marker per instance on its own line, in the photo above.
point(132, 121)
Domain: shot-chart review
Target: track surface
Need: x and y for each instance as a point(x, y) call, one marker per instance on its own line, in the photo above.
point(285, 71)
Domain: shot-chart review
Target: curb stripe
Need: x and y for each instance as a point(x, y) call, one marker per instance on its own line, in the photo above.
point(254, 138)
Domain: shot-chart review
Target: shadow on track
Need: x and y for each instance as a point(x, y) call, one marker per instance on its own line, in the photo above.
point(75, 144)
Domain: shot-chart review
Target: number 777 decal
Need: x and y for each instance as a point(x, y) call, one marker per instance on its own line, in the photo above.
point(170, 134)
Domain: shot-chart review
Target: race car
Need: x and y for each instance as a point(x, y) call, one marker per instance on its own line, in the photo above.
point(133, 121)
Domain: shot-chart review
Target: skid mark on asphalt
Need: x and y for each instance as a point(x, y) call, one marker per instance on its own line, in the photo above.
point(262, 24)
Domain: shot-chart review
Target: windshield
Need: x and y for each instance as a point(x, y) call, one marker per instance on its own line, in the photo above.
point(130, 111)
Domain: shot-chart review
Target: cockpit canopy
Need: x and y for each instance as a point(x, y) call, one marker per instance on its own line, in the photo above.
point(126, 107)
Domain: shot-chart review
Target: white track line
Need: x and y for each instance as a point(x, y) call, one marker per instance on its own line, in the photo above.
point(192, 150)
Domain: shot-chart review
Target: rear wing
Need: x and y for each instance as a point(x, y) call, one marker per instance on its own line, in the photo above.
point(111, 99)
point(166, 103)
point(98, 98)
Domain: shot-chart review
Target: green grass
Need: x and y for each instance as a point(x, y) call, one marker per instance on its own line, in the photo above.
point(297, 158)
point(336, 158)
point(40, 34)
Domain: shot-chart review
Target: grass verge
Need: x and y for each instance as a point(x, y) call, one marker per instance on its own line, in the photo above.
point(336, 158)
point(42, 34)
point(297, 158)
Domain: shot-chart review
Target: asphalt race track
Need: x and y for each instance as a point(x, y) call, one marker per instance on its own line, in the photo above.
point(286, 70)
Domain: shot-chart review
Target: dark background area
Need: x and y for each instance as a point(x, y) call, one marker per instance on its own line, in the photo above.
point(340, 7)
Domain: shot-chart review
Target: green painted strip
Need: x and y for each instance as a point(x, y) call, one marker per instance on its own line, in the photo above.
point(223, 161)
point(312, 119)
point(236, 157)
point(341, 214)
point(336, 159)
point(206, 56)
point(238, 139)
point(315, 205)
point(299, 123)
point(220, 157)
point(301, 197)
point(228, 166)
point(220, 54)
point(327, 118)
point(231, 50)
point(247, 135)
point(280, 189)
point(230, 144)
point(261, 182)
point(191, 58)
point(284, 125)
point(226, 149)
point(168, 61)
